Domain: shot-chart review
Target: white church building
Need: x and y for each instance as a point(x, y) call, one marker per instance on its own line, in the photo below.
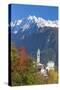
point(41, 67)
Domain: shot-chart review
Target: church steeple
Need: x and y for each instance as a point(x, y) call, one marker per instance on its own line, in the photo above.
point(38, 55)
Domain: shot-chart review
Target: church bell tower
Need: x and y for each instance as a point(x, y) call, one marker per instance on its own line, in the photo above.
point(38, 55)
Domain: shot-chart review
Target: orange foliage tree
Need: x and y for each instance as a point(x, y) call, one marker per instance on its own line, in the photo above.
point(23, 59)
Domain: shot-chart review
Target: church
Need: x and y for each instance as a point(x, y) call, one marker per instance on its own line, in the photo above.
point(41, 67)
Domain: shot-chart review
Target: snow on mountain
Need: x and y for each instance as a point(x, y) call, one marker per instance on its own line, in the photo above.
point(26, 26)
point(41, 22)
point(16, 22)
point(19, 22)
point(29, 22)
point(35, 32)
point(15, 32)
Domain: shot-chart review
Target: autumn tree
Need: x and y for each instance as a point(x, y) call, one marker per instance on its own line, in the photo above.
point(24, 71)
point(53, 76)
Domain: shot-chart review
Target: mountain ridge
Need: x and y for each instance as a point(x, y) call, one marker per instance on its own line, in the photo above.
point(41, 22)
point(32, 37)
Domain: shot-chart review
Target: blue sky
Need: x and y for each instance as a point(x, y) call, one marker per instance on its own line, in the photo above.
point(20, 11)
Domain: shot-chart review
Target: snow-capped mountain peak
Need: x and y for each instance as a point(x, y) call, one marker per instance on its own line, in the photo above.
point(27, 24)
point(41, 22)
point(16, 22)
